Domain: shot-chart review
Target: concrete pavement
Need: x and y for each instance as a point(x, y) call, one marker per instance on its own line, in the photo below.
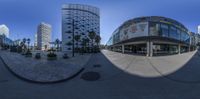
point(184, 67)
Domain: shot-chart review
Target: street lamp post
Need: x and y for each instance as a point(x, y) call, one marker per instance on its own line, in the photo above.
point(73, 38)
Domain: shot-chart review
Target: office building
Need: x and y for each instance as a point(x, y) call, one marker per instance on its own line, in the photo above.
point(35, 41)
point(198, 31)
point(4, 30)
point(43, 36)
point(78, 19)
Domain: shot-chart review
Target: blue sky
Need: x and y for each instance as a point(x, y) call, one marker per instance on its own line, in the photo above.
point(23, 16)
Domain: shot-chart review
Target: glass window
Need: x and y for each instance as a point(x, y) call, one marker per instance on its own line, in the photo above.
point(173, 33)
point(116, 38)
point(164, 30)
point(110, 41)
point(182, 36)
point(185, 37)
point(179, 34)
point(154, 29)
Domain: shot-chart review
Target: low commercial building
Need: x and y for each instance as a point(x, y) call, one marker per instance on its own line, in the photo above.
point(151, 36)
point(5, 42)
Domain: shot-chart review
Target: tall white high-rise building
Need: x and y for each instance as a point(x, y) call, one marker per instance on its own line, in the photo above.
point(80, 18)
point(198, 29)
point(35, 40)
point(4, 30)
point(43, 36)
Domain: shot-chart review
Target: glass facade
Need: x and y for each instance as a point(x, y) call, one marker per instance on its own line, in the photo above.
point(110, 42)
point(173, 33)
point(136, 48)
point(179, 34)
point(185, 37)
point(154, 29)
point(165, 49)
point(164, 30)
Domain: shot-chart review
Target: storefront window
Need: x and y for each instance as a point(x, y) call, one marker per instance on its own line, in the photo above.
point(165, 49)
point(154, 29)
point(164, 30)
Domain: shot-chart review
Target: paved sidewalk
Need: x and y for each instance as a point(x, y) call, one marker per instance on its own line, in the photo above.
point(114, 83)
point(182, 68)
point(43, 70)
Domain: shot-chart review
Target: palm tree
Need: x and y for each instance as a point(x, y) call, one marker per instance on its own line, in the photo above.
point(77, 39)
point(24, 44)
point(83, 43)
point(97, 40)
point(24, 40)
point(87, 40)
point(28, 42)
point(57, 41)
point(92, 35)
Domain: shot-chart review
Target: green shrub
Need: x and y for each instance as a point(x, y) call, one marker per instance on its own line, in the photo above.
point(51, 55)
point(28, 54)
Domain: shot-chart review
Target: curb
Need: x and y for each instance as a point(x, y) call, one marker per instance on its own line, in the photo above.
point(39, 82)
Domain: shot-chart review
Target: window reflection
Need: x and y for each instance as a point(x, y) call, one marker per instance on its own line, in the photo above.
point(173, 33)
point(154, 29)
point(164, 30)
point(185, 37)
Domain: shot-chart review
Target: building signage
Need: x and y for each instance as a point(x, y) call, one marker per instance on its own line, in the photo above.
point(134, 30)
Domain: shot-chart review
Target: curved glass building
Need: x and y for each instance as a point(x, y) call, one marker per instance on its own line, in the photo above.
point(151, 35)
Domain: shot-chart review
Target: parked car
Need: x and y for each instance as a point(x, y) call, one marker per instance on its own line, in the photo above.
point(37, 56)
point(65, 56)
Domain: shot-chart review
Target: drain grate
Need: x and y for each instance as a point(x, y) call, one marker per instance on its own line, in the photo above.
point(90, 76)
point(96, 65)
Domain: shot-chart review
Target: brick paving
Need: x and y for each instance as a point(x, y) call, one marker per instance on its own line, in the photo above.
point(43, 70)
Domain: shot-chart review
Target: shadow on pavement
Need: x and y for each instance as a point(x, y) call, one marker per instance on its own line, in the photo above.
point(188, 73)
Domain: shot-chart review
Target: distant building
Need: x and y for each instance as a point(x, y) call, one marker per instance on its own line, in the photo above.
point(193, 41)
point(80, 18)
point(5, 42)
point(198, 29)
point(17, 42)
point(4, 30)
point(43, 36)
point(35, 40)
point(197, 39)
